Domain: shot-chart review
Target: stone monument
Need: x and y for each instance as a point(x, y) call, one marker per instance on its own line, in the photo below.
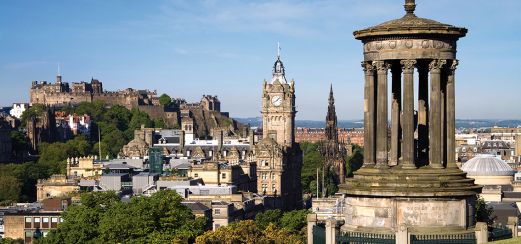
point(414, 182)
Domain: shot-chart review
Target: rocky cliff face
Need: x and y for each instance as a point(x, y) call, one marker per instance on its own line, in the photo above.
point(205, 121)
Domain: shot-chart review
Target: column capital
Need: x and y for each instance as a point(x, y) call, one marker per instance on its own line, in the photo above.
point(408, 65)
point(382, 66)
point(368, 67)
point(454, 64)
point(436, 65)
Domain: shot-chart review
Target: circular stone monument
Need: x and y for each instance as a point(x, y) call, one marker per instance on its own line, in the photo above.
point(412, 179)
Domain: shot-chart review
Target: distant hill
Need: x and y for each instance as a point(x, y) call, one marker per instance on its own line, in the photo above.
point(460, 123)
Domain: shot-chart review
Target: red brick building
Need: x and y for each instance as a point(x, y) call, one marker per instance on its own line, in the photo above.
point(353, 135)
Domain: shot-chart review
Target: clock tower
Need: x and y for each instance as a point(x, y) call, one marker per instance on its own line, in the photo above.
point(278, 107)
point(279, 158)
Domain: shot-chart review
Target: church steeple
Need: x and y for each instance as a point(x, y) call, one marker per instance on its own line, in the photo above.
point(331, 120)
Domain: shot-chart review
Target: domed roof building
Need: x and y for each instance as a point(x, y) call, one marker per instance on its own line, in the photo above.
point(488, 170)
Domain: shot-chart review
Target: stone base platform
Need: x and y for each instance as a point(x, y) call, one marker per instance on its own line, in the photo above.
point(426, 200)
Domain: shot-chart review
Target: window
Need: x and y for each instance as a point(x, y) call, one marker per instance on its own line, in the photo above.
point(36, 223)
point(45, 222)
point(54, 222)
point(264, 176)
point(264, 188)
point(28, 221)
point(223, 176)
point(217, 211)
point(273, 188)
point(196, 175)
point(272, 176)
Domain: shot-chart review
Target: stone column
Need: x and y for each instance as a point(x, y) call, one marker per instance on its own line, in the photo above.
point(512, 225)
point(402, 235)
point(423, 117)
point(396, 107)
point(481, 232)
point(369, 114)
point(408, 114)
point(435, 157)
point(312, 221)
point(451, 117)
point(381, 114)
point(331, 230)
point(443, 110)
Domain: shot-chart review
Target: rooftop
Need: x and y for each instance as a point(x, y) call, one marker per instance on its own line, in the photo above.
point(410, 24)
point(487, 165)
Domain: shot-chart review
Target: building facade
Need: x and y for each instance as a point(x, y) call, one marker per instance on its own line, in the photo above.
point(279, 158)
point(347, 135)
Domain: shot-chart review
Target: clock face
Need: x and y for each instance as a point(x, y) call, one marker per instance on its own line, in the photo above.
point(276, 100)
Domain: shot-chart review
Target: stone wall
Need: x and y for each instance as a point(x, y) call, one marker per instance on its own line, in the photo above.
point(14, 226)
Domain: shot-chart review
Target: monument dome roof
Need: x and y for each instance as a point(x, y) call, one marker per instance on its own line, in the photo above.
point(410, 24)
point(487, 165)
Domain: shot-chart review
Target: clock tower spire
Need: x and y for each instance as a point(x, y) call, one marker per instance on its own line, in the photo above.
point(278, 107)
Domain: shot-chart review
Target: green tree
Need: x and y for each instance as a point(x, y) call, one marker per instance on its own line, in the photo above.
point(312, 159)
point(355, 160)
point(81, 220)
point(21, 178)
point(116, 139)
point(295, 220)
point(246, 231)
point(138, 119)
point(99, 200)
point(483, 212)
point(19, 142)
point(34, 110)
point(272, 216)
point(103, 218)
point(313, 188)
point(54, 155)
point(11, 241)
point(165, 100)
point(159, 123)
point(331, 183)
point(10, 189)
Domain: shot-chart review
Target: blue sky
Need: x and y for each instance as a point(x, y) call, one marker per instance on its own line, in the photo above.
point(226, 47)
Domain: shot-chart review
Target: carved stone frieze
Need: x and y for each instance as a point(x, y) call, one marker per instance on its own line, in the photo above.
point(409, 48)
point(408, 44)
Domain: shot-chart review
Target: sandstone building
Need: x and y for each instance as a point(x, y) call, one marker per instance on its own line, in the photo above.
point(65, 94)
point(279, 158)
